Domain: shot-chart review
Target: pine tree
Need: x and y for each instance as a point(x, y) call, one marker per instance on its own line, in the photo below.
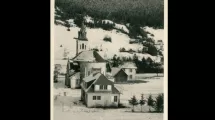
point(133, 101)
point(119, 62)
point(114, 61)
point(135, 58)
point(129, 59)
point(142, 101)
point(150, 102)
point(159, 103)
point(157, 67)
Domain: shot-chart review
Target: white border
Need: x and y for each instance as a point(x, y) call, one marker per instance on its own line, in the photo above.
point(52, 57)
point(165, 59)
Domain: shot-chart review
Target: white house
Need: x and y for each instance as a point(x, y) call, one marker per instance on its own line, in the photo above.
point(130, 69)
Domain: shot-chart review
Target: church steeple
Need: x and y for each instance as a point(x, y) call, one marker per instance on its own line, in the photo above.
point(82, 33)
point(82, 41)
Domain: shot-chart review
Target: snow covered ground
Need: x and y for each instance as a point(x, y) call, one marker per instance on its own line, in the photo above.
point(81, 113)
point(152, 86)
point(68, 110)
point(95, 37)
point(158, 33)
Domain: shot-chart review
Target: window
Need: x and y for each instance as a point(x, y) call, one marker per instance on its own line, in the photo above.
point(98, 97)
point(88, 73)
point(82, 45)
point(115, 98)
point(105, 87)
point(85, 47)
point(130, 70)
point(101, 87)
point(130, 76)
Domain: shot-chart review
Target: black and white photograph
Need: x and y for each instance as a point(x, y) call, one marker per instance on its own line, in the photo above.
point(108, 60)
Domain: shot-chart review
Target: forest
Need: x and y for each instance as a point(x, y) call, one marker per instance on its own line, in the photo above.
point(136, 12)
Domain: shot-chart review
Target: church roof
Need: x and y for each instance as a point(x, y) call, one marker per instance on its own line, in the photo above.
point(88, 56)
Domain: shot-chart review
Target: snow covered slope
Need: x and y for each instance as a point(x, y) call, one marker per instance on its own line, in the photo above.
point(95, 37)
point(158, 33)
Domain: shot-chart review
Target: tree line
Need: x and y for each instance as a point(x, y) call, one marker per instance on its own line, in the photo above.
point(157, 104)
point(143, 66)
point(136, 12)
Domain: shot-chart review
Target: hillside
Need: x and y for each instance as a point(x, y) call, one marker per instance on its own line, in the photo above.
point(95, 36)
point(67, 25)
point(143, 12)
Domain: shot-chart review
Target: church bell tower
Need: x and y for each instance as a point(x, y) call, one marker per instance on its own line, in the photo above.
point(82, 41)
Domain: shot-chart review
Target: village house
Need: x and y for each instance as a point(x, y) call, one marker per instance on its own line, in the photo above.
point(130, 69)
point(119, 75)
point(72, 78)
point(98, 91)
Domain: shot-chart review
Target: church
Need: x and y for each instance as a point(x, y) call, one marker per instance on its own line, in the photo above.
point(84, 63)
point(87, 70)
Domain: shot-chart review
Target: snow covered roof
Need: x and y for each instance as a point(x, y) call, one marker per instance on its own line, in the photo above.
point(91, 77)
point(75, 63)
point(100, 79)
point(115, 70)
point(88, 56)
point(128, 65)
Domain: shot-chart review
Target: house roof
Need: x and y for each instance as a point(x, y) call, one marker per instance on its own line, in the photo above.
point(114, 90)
point(99, 79)
point(128, 65)
point(115, 70)
point(90, 56)
point(91, 77)
point(74, 65)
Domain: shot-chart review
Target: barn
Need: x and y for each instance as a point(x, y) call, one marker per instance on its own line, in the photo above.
point(119, 75)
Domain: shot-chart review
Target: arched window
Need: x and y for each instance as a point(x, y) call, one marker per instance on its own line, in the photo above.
point(85, 47)
point(82, 45)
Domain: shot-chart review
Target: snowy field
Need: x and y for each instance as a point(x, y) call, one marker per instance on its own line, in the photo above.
point(95, 37)
point(64, 108)
point(77, 113)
